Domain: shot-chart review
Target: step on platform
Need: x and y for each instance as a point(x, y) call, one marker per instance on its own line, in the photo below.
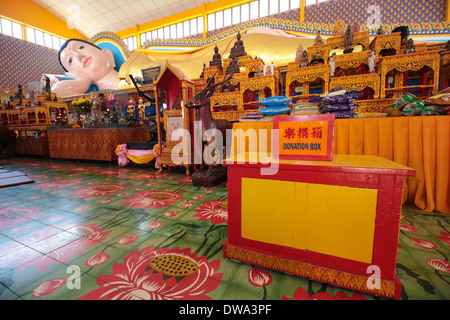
point(13, 178)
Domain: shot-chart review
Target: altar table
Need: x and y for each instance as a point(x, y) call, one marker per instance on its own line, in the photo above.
point(92, 143)
point(329, 221)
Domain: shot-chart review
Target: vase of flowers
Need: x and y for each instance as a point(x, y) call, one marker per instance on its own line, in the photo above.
point(84, 105)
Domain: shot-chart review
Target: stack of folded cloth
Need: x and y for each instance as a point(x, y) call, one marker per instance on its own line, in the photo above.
point(273, 106)
point(302, 108)
point(340, 105)
point(251, 117)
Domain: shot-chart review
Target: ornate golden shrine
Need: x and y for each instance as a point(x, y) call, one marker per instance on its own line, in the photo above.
point(252, 80)
point(359, 38)
point(178, 91)
point(305, 76)
point(358, 82)
point(390, 42)
point(445, 70)
point(351, 60)
point(45, 114)
point(403, 63)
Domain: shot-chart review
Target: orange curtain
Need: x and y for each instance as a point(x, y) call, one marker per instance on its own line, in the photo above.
point(421, 143)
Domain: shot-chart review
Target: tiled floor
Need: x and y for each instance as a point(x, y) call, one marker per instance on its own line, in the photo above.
point(94, 231)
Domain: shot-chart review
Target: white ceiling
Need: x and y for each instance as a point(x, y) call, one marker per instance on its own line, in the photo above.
point(89, 17)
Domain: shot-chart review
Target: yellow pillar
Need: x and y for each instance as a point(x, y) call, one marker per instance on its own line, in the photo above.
point(302, 10)
point(138, 37)
point(205, 21)
point(447, 11)
point(24, 33)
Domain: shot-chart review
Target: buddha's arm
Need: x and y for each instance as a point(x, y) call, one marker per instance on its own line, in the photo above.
point(71, 87)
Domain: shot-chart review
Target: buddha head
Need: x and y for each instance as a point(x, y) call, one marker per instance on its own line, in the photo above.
point(83, 59)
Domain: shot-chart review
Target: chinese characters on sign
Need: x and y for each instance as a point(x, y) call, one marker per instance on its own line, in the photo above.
point(305, 137)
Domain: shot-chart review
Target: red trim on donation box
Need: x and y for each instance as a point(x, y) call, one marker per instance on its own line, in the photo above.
point(308, 137)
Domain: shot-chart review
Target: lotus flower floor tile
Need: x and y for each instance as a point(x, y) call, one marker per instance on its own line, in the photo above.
point(96, 231)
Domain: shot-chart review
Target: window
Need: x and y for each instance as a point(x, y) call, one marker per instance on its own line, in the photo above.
point(227, 21)
point(131, 42)
point(193, 26)
point(160, 34)
point(254, 10)
point(17, 30)
point(284, 5)
point(236, 14)
point(200, 25)
point(295, 4)
point(245, 11)
point(179, 30)
point(30, 35)
point(39, 37)
point(211, 22)
point(186, 29)
point(6, 27)
point(273, 7)
point(173, 31)
point(48, 40)
point(55, 43)
point(219, 20)
point(309, 2)
point(263, 8)
point(166, 33)
point(143, 38)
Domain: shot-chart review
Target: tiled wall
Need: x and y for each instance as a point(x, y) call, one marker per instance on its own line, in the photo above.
point(392, 11)
point(24, 62)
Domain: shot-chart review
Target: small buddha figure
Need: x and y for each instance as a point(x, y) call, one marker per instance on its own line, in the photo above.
point(202, 75)
point(371, 62)
point(318, 40)
point(380, 31)
point(332, 65)
point(304, 59)
point(410, 47)
point(258, 72)
point(233, 67)
point(348, 40)
point(298, 54)
point(238, 49)
point(131, 108)
point(141, 109)
point(217, 58)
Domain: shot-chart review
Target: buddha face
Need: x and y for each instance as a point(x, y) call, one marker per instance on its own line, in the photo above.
point(86, 61)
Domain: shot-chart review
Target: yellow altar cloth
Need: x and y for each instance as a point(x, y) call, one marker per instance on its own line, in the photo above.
point(422, 143)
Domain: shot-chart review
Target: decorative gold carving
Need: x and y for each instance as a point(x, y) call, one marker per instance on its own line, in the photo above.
point(351, 60)
point(319, 51)
point(311, 271)
point(226, 98)
point(410, 62)
point(256, 84)
point(378, 105)
point(358, 82)
point(358, 38)
point(307, 75)
point(211, 71)
point(386, 41)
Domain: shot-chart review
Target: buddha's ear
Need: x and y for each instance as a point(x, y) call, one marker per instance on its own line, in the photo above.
point(110, 57)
